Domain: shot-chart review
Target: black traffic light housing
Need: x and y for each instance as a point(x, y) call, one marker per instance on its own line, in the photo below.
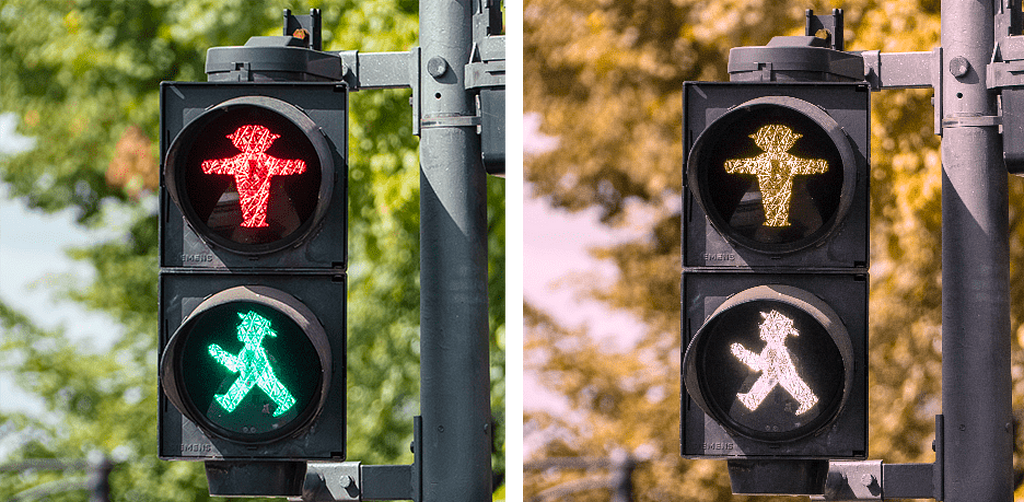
point(828, 224)
point(775, 225)
point(306, 214)
point(302, 352)
point(253, 241)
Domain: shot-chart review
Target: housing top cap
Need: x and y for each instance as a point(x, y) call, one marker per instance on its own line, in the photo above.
point(793, 59)
point(271, 58)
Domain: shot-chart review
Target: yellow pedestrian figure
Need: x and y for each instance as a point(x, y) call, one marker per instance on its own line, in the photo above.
point(775, 169)
point(775, 365)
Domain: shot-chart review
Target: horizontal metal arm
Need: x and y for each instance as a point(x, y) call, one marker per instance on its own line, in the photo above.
point(902, 70)
point(380, 70)
point(907, 70)
point(873, 480)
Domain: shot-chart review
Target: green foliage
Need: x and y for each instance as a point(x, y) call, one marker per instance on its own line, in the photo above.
point(83, 79)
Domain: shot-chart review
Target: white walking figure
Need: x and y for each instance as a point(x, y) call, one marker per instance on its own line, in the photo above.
point(775, 365)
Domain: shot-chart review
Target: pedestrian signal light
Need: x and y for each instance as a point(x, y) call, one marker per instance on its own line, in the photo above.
point(252, 174)
point(775, 174)
point(774, 279)
point(250, 364)
point(252, 169)
point(775, 169)
point(253, 259)
point(772, 363)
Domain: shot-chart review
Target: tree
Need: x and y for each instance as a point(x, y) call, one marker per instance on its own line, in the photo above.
point(621, 65)
point(83, 79)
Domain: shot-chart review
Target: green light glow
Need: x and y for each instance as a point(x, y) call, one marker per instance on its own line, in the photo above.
point(252, 365)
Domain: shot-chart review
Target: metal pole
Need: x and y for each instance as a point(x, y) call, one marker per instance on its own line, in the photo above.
point(99, 479)
point(454, 370)
point(975, 265)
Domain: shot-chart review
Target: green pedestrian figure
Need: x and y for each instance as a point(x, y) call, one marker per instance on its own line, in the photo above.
point(252, 365)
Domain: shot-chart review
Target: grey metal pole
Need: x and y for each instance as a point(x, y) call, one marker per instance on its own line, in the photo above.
point(975, 265)
point(454, 370)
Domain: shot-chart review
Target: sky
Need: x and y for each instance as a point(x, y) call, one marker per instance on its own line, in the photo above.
point(555, 249)
point(32, 260)
point(554, 252)
point(556, 246)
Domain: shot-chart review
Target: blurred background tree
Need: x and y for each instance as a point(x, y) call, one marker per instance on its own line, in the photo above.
point(606, 81)
point(82, 78)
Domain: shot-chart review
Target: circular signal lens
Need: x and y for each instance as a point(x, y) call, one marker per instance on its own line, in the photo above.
point(773, 363)
point(252, 174)
point(775, 174)
point(249, 364)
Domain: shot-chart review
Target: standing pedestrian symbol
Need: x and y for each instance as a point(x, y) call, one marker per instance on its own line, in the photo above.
point(252, 170)
point(775, 365)
point(252, 365)
point(775, 170)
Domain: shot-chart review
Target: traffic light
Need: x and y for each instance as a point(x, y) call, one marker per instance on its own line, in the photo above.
point(258, 172)
point(253, 270)
point(775, 270)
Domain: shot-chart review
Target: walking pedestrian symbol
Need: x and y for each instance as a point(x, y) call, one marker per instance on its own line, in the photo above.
point(775, 365)
point(252, 365)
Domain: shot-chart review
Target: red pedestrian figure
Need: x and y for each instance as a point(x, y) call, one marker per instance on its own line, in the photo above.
point(252, 170)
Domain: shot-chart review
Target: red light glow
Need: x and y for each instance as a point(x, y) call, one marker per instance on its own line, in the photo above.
point(252, 170)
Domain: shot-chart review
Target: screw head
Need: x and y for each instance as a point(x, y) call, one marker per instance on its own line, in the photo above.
point(959, 66)
point(437, 67)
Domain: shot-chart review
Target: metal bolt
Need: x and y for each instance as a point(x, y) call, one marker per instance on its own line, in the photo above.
point(867, 480)
point(345, 481)
point(959, 66)
point(437, 67)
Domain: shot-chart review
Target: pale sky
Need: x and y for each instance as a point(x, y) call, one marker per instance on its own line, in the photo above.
point(555, 249)
point(32, 259)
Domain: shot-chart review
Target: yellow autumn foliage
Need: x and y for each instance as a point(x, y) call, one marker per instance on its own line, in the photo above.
point(605, 77)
